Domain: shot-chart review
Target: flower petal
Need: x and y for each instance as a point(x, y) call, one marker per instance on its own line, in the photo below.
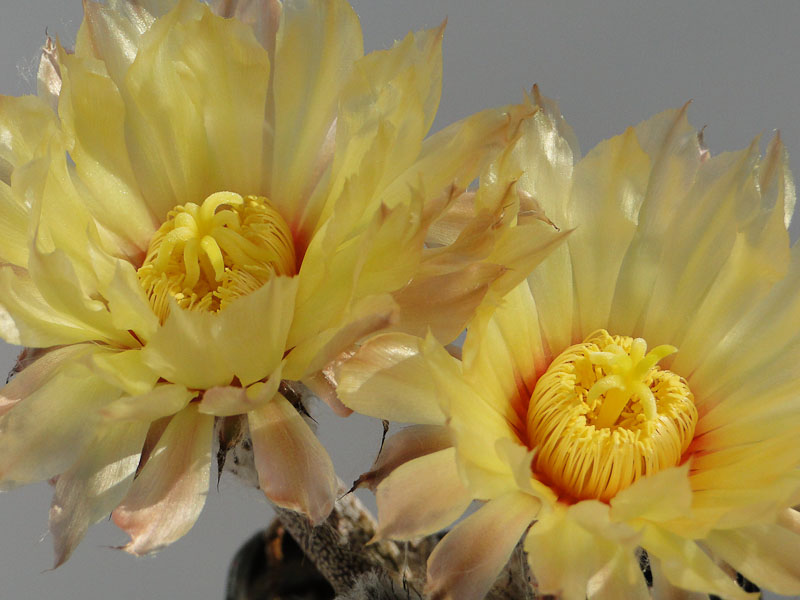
point(675, 157)
point(420, 497)
point(503, 353)
point(95, 484)
point(570, 550)
point(262, 15)
point(609, 184)
point(27, 124)
point(464, 565)
point(28, 320)
point(294, 470)
point(456, 155)
point(184, 142)
point(43, 434)
point(306, 88)
point(388, 378)
point(546, 161)
point(444, 302)
point(48, 76)
point(168, 494)
point(373, 313)
point(765, 554)
point(164, 400)
point(406, 445)
point(620, 578)
point(202, 350)
point(758, 259)
point(230, 400)
point(253, 348)
point(125, 370)
point(38, 373)
point(659, 497)
point(93, 115)
point(685, 565)
point(389, 101)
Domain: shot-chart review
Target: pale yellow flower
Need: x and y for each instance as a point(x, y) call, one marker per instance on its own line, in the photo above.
point(640, 389)
point(201, 203)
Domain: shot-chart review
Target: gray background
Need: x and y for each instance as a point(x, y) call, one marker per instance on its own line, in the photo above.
point(611, 64)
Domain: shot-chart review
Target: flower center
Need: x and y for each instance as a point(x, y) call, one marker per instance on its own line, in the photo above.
point(206, 256)
point(604, 414)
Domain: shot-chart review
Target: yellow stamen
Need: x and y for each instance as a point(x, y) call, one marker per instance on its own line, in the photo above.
point(603, 415)
point(205, 256)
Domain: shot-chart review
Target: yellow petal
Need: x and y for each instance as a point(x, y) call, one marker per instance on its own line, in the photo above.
point(372, 314)
point(686, 566)
point(338, 272)
point(183, 351)
point(93, 115)
point(254, 347)
point(609, 185)
point(388, 378)
point(457, 154)
point(202, 350)
point(262, 15)
point(566, 557)
point(659, 497)
point(94, 485)
point(522, 248)
point(166, 498)
point(306, 87)
point(127, 303)
point(125, 370)
point(27, 124)
point(294, 470)
point(13, 227)
point(44, 433)
point(546, 161)
point(722, 200)
point(765, 554)
point(477, 422)
point(28, 320)
point(420, 497)
point(229, 401)
point(406, 445)
point(112, 33)
point(444, 302)
point(162, 401)
point(675, 157)
point(758, 259)
point(184, 142)
point(386, 108)
point(456, 217)
point(502, 352)
point(620, 578)
point(464, 565)
point(57, 281)
point(38, 373)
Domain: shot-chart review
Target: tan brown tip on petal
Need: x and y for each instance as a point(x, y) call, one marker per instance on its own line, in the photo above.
point(464, 565)
point(294, 470)
point(170, 491)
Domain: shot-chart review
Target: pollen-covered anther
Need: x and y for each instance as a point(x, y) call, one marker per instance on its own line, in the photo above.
point(204, 256)
point(604, 414)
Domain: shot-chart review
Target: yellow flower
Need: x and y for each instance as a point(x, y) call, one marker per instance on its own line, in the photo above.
point(638, 390)
point(200, 204)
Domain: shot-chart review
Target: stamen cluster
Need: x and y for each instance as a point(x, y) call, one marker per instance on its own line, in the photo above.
point(206, 256)
point(604, 415)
